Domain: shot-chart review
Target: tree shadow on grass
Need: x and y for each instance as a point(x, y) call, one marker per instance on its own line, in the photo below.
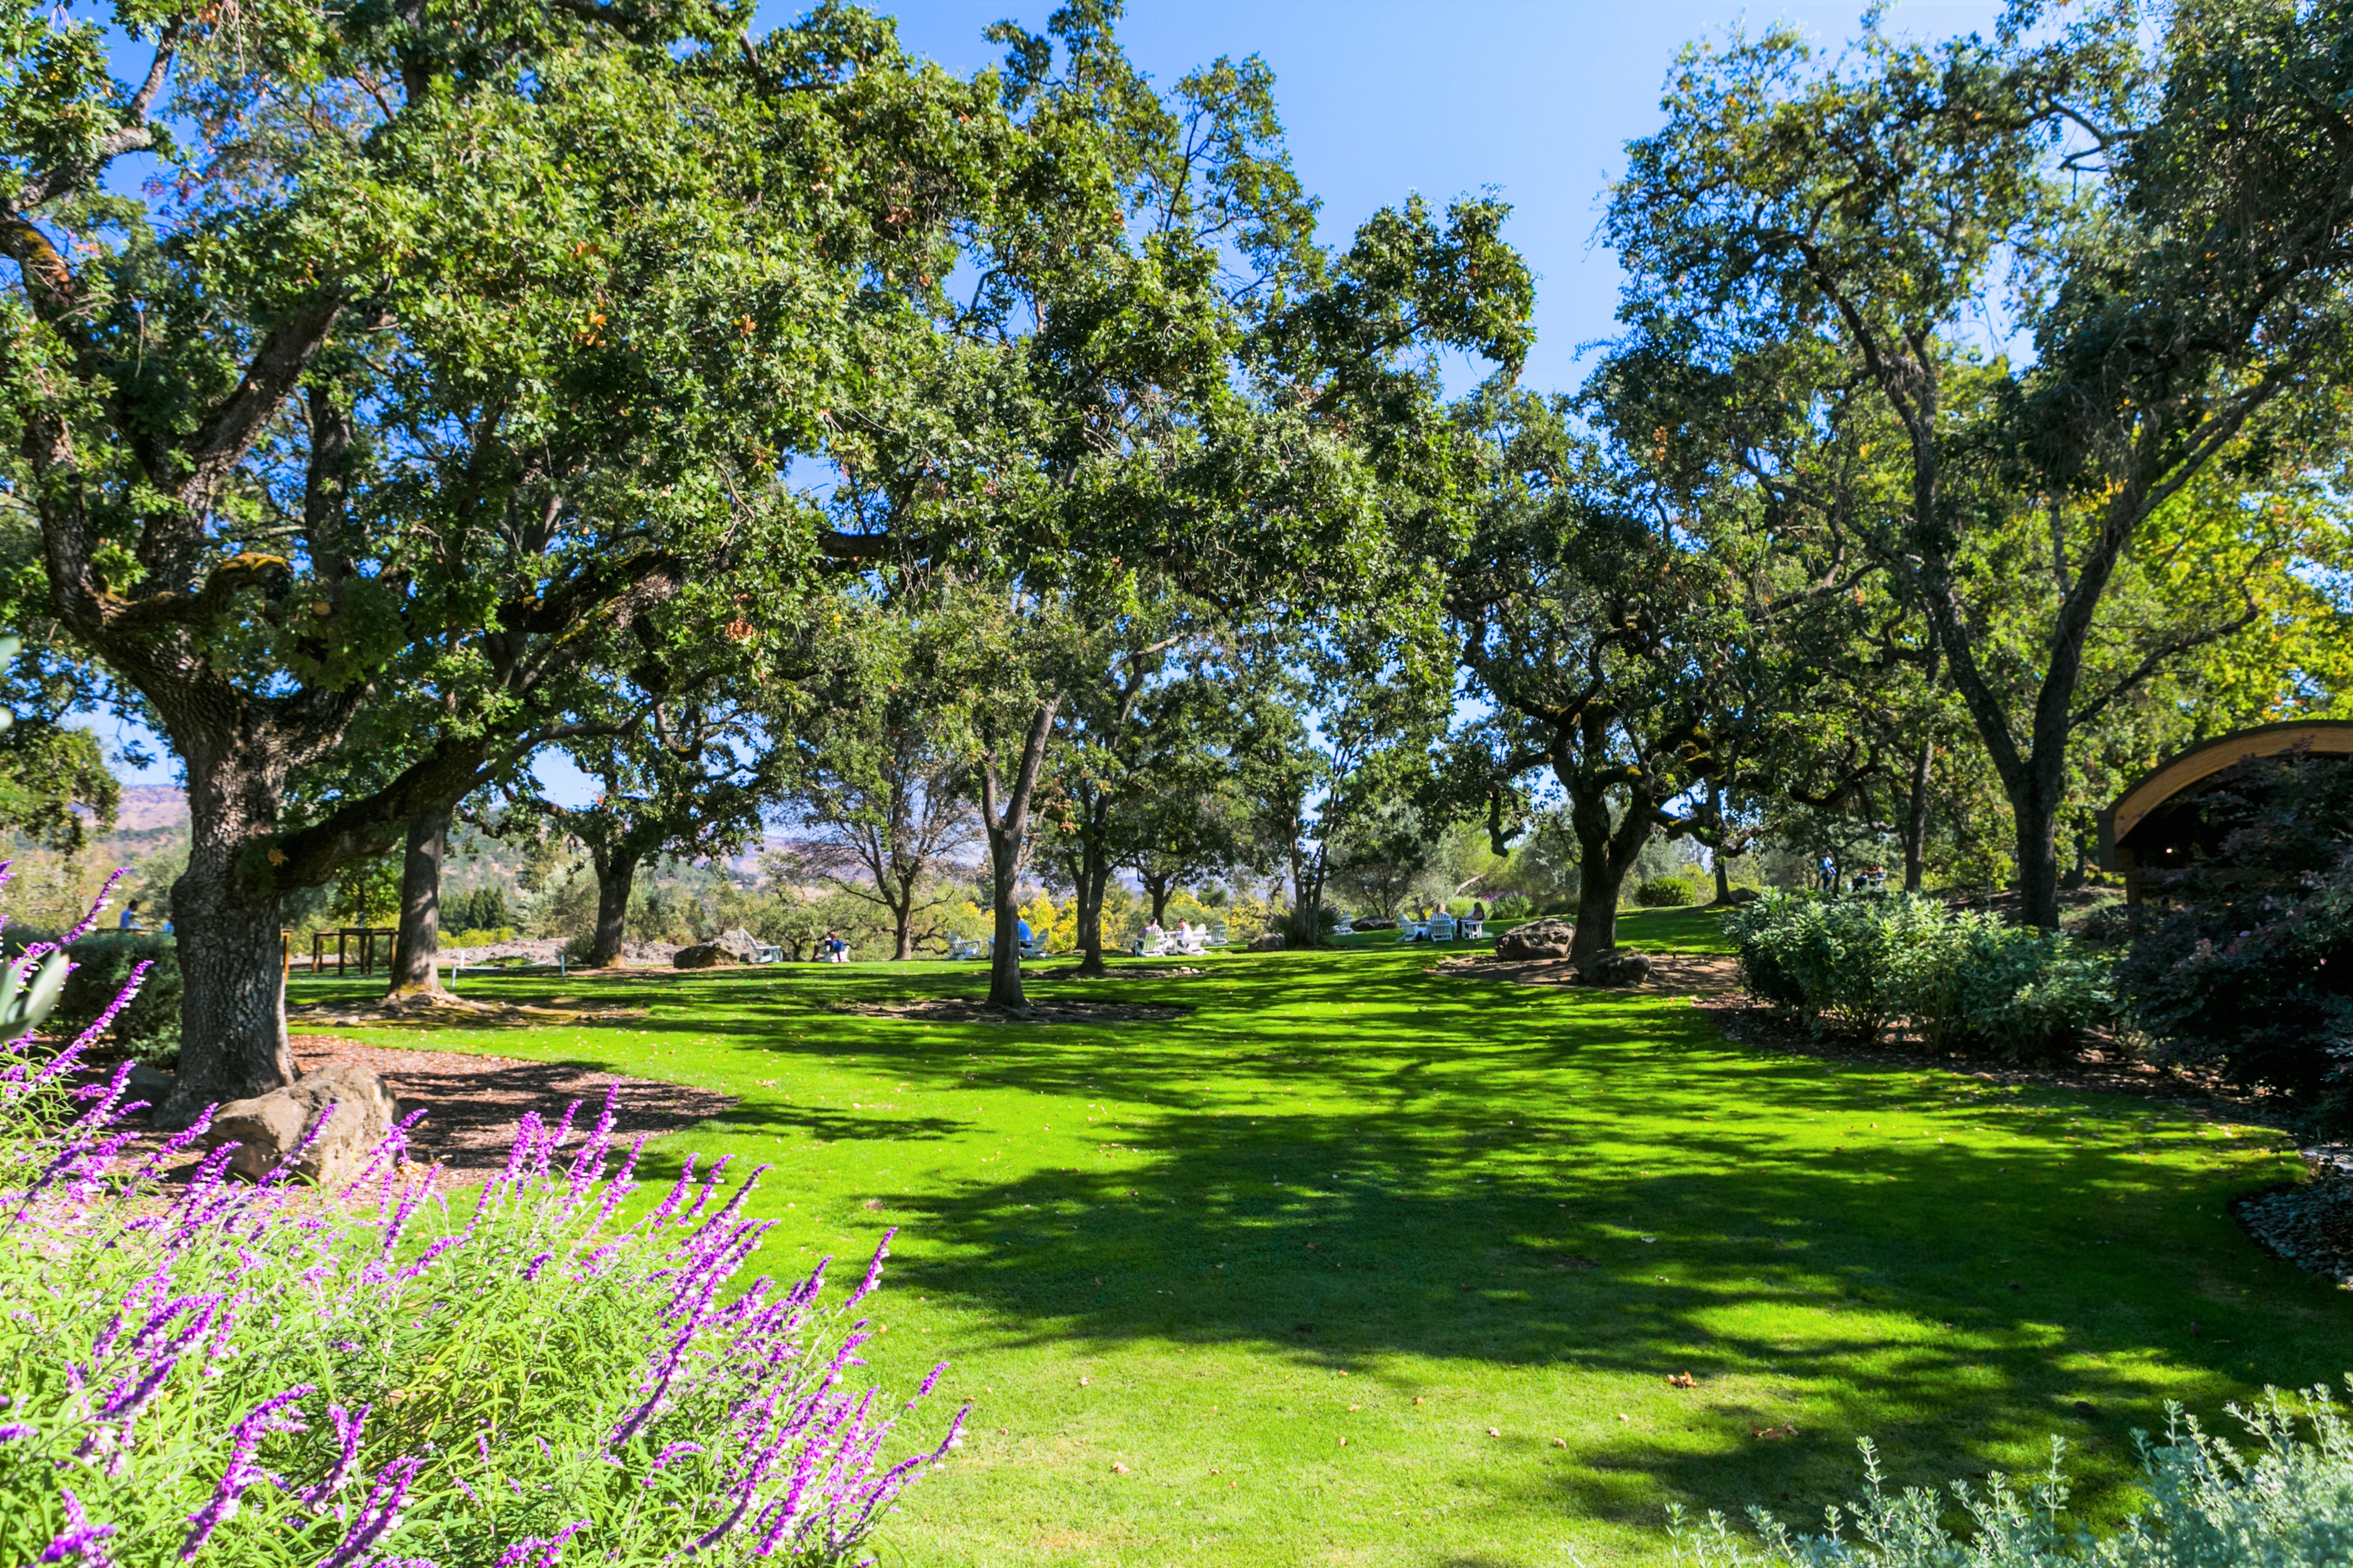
point(1467, 1176)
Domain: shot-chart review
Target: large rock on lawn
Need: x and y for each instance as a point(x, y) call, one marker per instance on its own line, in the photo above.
point(704, 955)
point(1547, 938)
point(1268, 942)
point(267, 1127)
point(1616, 966)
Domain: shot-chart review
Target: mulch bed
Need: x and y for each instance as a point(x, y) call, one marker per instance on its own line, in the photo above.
point(1049, 1010)
point(443, 1009)
point(2094, 1069)
point(1694, 974)
point(472, 1102)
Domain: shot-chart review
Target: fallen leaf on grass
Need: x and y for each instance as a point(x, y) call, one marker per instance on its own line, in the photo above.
point(1560, 1442)
point(1773, 1432)
point(1682, 1380)
point(1492, 1432)
point(1119, 1470)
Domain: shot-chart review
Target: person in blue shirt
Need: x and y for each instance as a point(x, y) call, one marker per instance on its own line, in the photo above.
point(1021, 931)
point(129, 920)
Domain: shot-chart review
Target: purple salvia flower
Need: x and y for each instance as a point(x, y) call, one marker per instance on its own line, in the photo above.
point(588, 1165)
point(348, 1428)
point(618, 1190)
point(12, 1430)
point(311, 1135)
point(931, 1381)
point(65, 1060)
point(244, 1441)
point(380, 1515)
point(105, 896)
point(662, 1459)
point(545, 1153)
point(80, 1538)
point(873, 1271)
point(786, 1511)
point(661, 1216)
point(709, 1185)
point(541, 1553)
point(431, 1254)
point(531, 1270)
point(176, 1144)
point(471, 1495)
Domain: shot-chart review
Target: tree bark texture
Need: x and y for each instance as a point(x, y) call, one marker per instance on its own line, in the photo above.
point(1915, 819)
point(414, 955)
point(617, 873)
point(1005, 817)
point(1091, 878)
point(233, 1041)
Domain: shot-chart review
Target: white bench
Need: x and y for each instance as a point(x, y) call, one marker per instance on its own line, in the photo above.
point(962, 947)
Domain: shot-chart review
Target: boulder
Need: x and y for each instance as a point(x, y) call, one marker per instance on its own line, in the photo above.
point(1547, 938)
point(1616, 966)
point(1268, 942)
point(703, 955)
point(267, 1127)
point(739, 942)
point(151, 1084)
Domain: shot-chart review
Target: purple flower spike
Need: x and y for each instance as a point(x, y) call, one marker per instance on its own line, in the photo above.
point(378, 1518)
point(241, 1473)
point(80, 1538)
point(348, 1426)
point(538, 1554)
point(873, 1270)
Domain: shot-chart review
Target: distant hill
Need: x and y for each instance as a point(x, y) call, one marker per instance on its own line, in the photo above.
point(147, 807)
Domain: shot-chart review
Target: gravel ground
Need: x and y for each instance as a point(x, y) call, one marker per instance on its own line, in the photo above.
point(2309, 1224)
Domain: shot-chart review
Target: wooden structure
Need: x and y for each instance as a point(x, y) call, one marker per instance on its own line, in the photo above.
point(2156, 823)
point(368, 938)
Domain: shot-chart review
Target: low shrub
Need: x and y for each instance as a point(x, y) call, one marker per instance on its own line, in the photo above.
point(2209, 1505)
point(149, 1028)
point(1511, 906)
point(393, 1372)
point(2243, 960)
point(1667, 893)
point(1963, 982)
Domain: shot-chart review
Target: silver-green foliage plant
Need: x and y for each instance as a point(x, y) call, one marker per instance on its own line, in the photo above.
point(1961, 980)
point(392, 1374)
point(2283, 1502)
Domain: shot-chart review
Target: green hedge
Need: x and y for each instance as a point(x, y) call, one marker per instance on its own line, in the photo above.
point(1667, 893)
point(1961, 980)
point(149, 1028)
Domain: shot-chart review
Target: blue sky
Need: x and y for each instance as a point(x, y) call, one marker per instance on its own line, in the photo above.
point(1381, 97)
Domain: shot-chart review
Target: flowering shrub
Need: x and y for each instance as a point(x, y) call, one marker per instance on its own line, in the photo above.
point(1961, 980)
point(396, 1375)
point(2209, 1506)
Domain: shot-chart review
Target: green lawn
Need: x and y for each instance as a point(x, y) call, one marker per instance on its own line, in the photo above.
point(1469, 1229)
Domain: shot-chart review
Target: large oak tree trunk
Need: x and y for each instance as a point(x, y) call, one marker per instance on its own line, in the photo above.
point(1005, 903)
point(617, 873)
point(413, 967)
point(1156, 888)
point(2036, 810)
point(1093, 880)
point(1005, 817)
point(232, 1039)
point(902, 926)
point(1915, 820)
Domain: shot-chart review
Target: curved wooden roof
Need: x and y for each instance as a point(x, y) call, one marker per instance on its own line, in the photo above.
point(2326, 737)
